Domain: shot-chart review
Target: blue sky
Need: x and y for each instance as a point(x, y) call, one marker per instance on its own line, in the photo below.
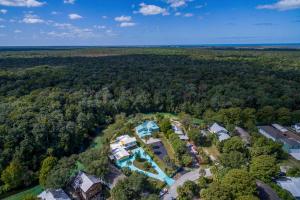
point(148, 22)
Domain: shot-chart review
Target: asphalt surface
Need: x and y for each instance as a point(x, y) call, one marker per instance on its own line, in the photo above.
point(192, 176)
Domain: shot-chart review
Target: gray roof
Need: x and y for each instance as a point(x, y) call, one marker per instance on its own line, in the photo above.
point(216, 128)
point(223, 136)
point(290, 184)
point(85, 181)
point(287, 137)
point(53, 194)
point(183, 137)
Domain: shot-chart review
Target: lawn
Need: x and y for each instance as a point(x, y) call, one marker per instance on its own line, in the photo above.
point(291, 162)
point(34, 191)
point(168, 146)
point(212, 151)
point(141, 164)
point(167, 115)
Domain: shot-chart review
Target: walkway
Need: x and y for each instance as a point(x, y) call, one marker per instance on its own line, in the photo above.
point(190, 176)
point(129, 163)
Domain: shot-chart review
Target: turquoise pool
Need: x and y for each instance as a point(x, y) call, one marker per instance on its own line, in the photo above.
point(160, 174)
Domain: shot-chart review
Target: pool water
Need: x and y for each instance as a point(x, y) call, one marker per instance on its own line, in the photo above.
point(160, 174)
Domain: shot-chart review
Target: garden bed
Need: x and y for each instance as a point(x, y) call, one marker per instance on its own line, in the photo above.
point(144, 165)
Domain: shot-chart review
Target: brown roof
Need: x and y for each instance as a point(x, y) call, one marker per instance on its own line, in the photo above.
point(243, 134)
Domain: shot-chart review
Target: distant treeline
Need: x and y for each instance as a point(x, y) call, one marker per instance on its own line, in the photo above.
point(51, 105)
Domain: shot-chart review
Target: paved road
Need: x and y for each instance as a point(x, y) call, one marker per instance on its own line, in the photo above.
point(192, 176)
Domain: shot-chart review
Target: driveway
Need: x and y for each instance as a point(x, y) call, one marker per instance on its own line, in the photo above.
point(190, 176)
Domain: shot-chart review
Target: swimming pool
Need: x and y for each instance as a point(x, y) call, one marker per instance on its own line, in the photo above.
point(160, 174)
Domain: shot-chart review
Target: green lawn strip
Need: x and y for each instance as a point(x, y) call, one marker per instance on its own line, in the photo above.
point(198, 121)
point(141, 165)
point(292, 162)
point(212, 150)
point(157, 184)
point(168, 115)
point(34, 191)
point(161, 164)
point(168, 147)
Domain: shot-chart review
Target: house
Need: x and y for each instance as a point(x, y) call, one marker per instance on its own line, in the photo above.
point(119, 148)
point(126, 141)
point(146, 129)
point(53, 194)
point(120, 154)
point(220, 131)
point(290, 184)
point(243, 134)
point(86, 186)
point(290, 140)
point(177, 130)
point(297, 127)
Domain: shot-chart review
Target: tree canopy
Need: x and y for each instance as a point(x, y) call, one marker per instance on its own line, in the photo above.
point(54, 102)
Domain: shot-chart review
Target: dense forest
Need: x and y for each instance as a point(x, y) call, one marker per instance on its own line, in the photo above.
point(53, 102)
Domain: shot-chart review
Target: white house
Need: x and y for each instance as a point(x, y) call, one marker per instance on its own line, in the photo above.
point(290, 184)
point(121, 145)
point(126, 141)
point(280, 128)
point(53, 194)
point(221, 132)
point(297, 127)
point(87, 186)
point(177, 130)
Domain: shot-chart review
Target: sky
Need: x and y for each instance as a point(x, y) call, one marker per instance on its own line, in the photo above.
point(148, 22)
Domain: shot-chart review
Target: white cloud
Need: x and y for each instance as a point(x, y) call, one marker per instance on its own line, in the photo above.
point(123, 18)
point(177, 3)
point(125, 21)
point(188, 15)
point(127, 24)
point(22, 3)
point(17, 31)
point(201, 6)
point(32, 19)
point(152, 10)
point(99, 27)
point(2, 26)
point(3, 11)
point(69, 1)
point(281, 5)
point(74, 16)
point(177, 14)
point(62, 25)
point(104, 17)
point(66, 30)
point(55, 13)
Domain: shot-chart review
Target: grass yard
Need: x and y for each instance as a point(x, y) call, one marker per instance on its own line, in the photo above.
point(199, 122)
point(212, 151)
point(168, 146)
point(34, 191)
point(168, 115)
point(156, 159)
point(291, 162)
point(141, 164)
